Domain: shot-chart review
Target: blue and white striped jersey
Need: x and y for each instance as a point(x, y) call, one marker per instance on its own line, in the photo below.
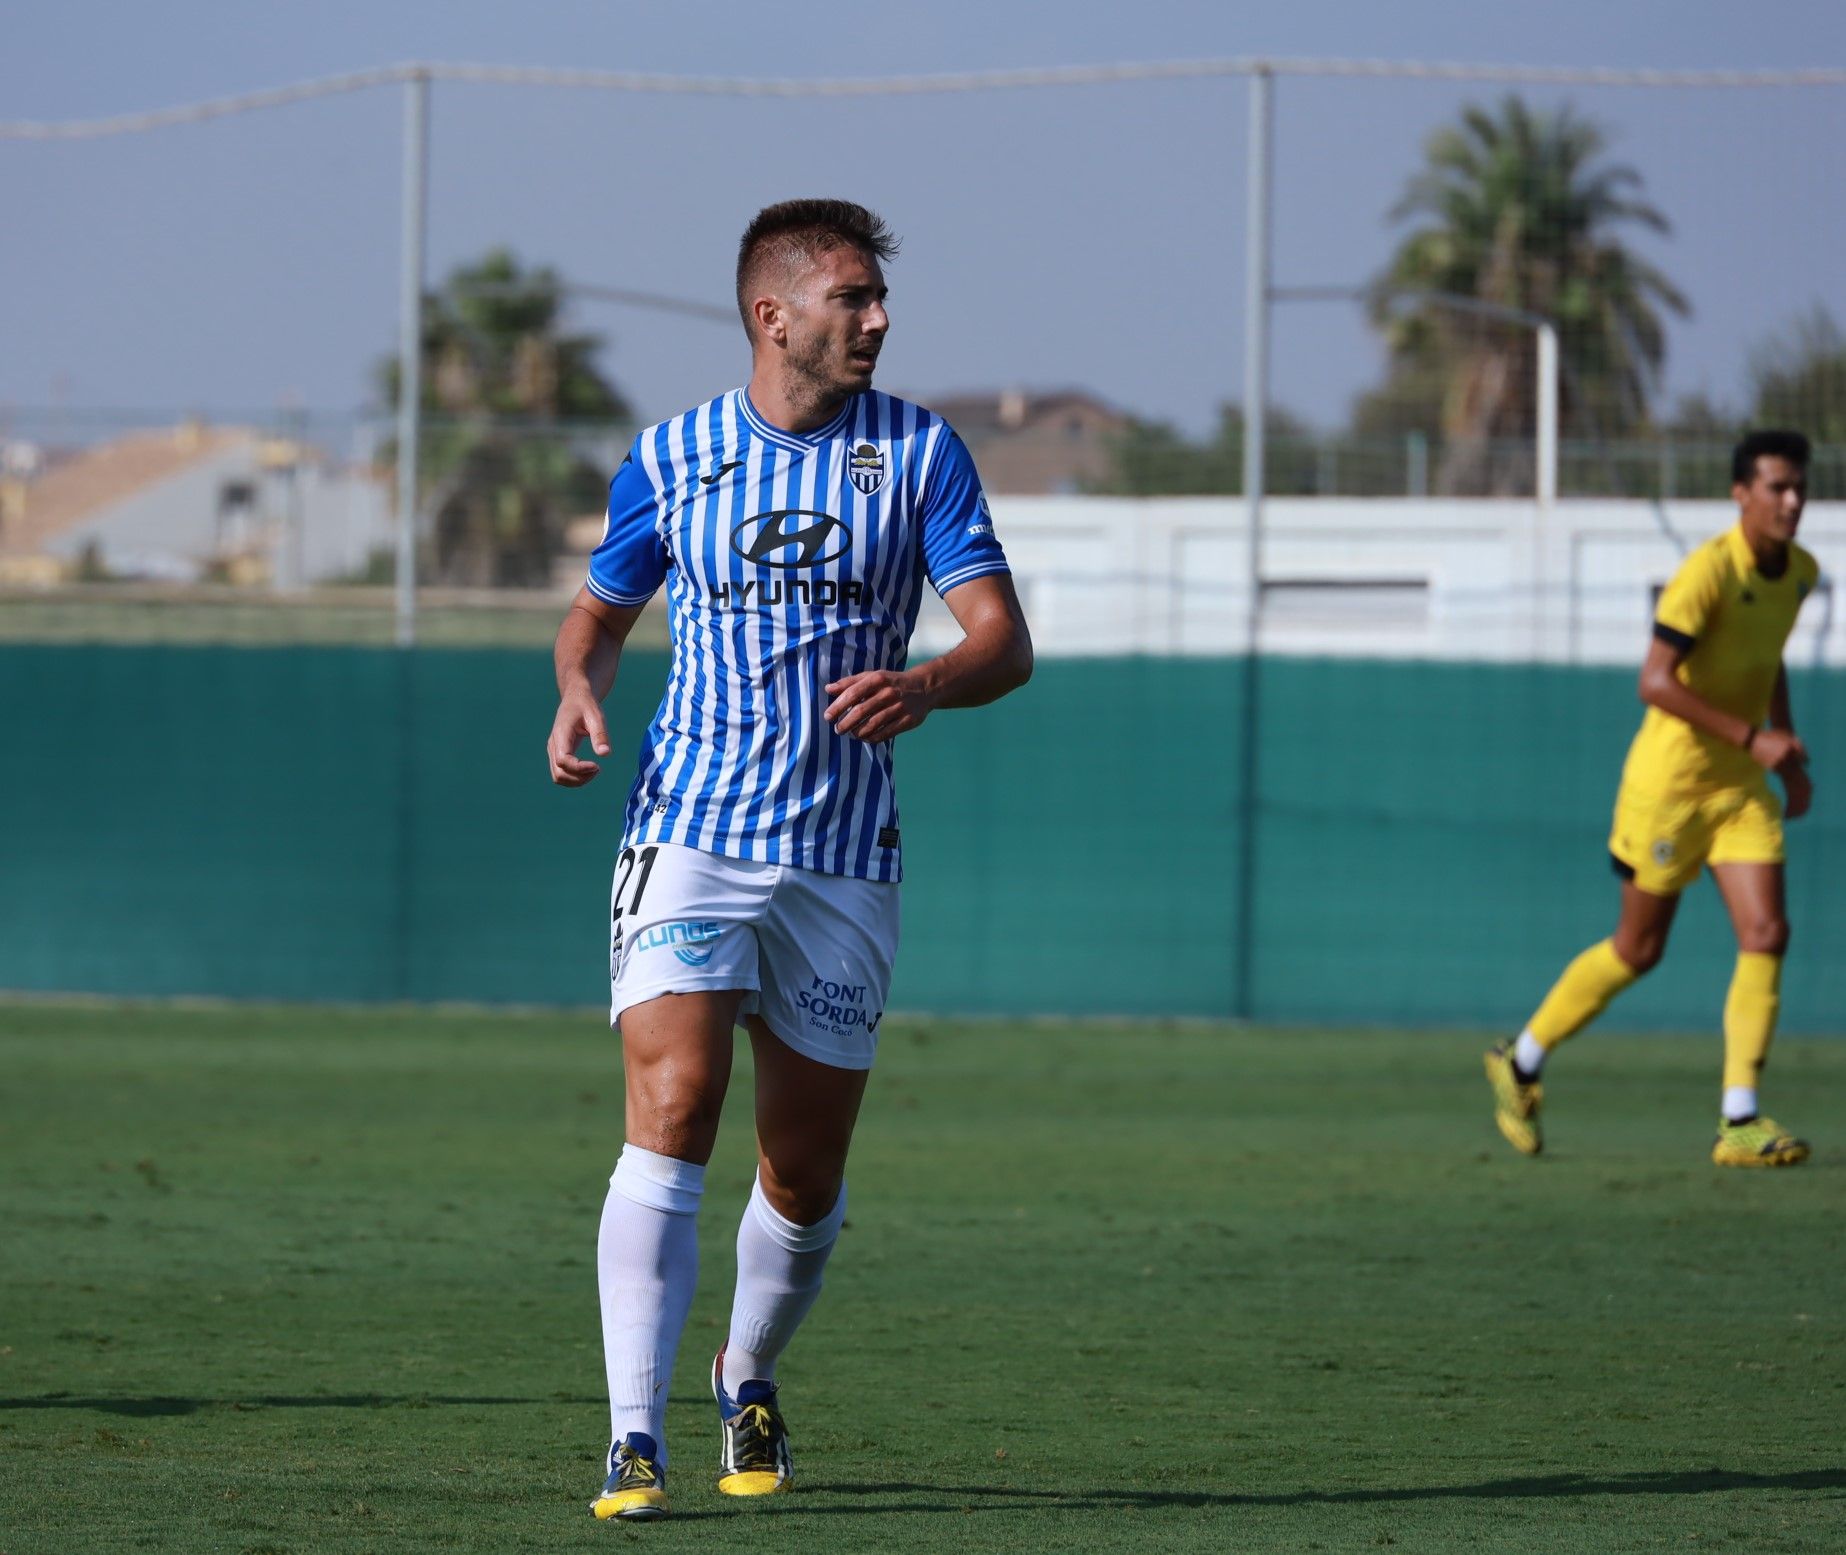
point(790, 560)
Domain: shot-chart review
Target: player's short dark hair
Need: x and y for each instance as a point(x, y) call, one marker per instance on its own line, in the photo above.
point(797, 231)
point(1792, 446)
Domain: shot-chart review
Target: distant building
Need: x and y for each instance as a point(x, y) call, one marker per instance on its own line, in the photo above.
point(187, 503)
point(1034, 444)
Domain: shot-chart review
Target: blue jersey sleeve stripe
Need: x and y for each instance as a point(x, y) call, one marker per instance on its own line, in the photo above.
point(609, 596)
point(982, 569)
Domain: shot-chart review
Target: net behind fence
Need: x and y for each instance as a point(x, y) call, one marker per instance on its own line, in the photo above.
point(1425, 222)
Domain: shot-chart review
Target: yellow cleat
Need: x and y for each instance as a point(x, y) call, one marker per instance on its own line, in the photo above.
point(1515, 1102)
point(636, 1490)
point(1758, 1142)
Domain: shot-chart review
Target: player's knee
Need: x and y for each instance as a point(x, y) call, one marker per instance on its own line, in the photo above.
point(1641, 952)
point(1765, 935)
point(802, 1192)
point(677, 1117)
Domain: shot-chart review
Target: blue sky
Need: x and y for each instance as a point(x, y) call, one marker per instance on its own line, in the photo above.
point(1088, 237)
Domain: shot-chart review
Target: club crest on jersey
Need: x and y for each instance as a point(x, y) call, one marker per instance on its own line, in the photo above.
point(791, 537)
point(866, 467)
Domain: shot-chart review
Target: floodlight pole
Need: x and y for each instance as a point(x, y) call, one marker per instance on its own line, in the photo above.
point(1547, 477)
point(1547, 414)
point(1255, 406)
point(410, 347)
point(1256, 338)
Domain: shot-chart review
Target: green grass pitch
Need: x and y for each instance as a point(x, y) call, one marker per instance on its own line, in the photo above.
point(285, 1280)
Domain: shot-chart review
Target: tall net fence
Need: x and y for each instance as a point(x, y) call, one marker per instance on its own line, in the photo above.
point(1616, 217)
point(1425, 220)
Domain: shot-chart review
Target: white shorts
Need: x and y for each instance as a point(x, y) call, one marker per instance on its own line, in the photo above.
point(812, 952)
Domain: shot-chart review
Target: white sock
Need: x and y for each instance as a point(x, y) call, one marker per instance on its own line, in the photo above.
point(779, 1268)
point(1528, 1053)
point(1739, 1102)
point(647, 1261)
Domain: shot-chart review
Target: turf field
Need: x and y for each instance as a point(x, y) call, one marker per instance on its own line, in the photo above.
point(284, 1280)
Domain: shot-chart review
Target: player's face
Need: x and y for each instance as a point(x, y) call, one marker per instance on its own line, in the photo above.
point(837, 322)
point(1771, 504)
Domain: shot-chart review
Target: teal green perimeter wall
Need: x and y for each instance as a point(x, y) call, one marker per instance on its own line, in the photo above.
point(347, 824)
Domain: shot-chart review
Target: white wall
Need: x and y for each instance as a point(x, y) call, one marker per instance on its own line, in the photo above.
point(1396, 577)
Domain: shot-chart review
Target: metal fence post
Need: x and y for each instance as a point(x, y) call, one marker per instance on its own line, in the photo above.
point(1255, 406)
point(410, 347)
point(1547, 482)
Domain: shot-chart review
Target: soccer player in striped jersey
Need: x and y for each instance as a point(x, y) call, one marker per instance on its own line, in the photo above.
point(794, 524)
point(1695, 794)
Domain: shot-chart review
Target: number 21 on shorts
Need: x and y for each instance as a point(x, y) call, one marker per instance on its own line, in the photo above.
point(631, 869)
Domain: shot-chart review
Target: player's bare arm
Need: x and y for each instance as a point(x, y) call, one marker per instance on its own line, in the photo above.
point(1796, 782)
point(993, 658)
point(1774, 749)
point(588, 649)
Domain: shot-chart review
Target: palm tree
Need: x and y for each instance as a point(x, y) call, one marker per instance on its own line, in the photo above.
point(508, 400)
point(1518, 209)
point(1799, 376)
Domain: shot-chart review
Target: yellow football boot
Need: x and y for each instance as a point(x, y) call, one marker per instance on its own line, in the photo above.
point(1515, 1102)
point(1757, 1142)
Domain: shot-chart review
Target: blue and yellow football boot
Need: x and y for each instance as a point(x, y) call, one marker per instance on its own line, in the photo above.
point(1515, 1101)
point(636, 1490)
point(753, 1460)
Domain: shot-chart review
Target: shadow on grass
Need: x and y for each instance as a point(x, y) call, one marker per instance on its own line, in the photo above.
point(1667, 1482)
point(874, 1499)
point(167, 1405)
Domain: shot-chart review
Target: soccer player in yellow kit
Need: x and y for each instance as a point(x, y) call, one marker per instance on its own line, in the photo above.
point(1695, 794)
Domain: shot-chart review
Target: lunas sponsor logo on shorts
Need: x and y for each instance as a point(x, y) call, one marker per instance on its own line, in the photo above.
point(693, 943)
point(838, 1006)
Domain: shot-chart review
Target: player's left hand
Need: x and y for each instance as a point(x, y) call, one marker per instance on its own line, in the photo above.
point(1799, 789)
point(877, 705)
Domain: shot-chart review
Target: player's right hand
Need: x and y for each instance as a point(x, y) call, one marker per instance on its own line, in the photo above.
point(1776, 750)
point(1799, 788)
point(579, 718)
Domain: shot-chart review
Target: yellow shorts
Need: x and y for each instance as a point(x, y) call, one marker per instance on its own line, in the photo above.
point(1667, 839)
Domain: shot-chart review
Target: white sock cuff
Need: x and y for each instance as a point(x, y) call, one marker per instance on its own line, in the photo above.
point(658, 1181)
point(1739, 1102)
point(798, 1239)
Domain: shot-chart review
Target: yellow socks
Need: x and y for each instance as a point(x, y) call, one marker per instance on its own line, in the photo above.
point(1749, 1017)
point(1599, 974)
point(1584, 991)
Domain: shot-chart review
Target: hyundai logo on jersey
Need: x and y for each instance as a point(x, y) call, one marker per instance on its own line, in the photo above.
point(791, 537)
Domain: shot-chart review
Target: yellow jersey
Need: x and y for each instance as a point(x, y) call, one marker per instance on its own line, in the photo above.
point(1733, 623)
